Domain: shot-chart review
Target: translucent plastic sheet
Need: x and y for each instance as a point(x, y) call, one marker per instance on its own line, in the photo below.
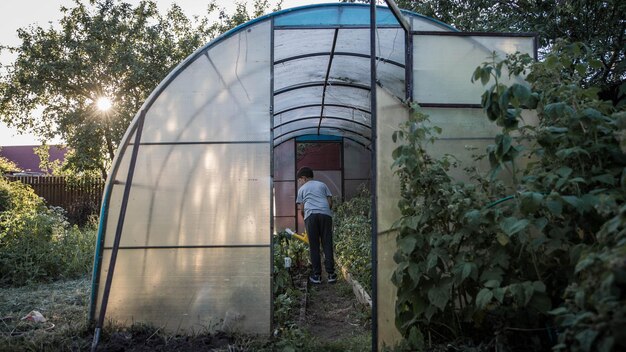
point(186, 195)
point(357, 161)
point(346, 15)
point(390, 113)
point(191, 289)
point(443, 65)
point(230, 83)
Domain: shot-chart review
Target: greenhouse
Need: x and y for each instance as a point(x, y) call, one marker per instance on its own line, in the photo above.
point(205, 174)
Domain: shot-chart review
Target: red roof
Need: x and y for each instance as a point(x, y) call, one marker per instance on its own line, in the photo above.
point(26, 159)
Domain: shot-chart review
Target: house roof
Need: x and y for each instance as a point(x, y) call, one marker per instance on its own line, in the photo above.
point(26, 159)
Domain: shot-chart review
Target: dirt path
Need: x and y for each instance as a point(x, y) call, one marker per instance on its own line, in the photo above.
point(333, 313)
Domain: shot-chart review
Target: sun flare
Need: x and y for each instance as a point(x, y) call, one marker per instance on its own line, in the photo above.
point(104, 103)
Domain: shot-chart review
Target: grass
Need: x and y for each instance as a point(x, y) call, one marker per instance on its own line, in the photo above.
point(65, 304)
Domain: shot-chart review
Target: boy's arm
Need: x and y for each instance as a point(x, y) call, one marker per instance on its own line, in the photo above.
point(301, 209)
point(330, 202)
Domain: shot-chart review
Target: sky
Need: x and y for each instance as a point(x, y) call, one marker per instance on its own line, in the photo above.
point(22, 13)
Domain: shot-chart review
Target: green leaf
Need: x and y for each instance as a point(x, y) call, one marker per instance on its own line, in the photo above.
point(574, 202)
point(555, 206)
point(467, 270)
point(407, 244)
point(558, 311)
point(416, 339)
point(564, 171)
point(586, 338)
point(498, 293)
point(539, 286)
point(492, 284)
point(502, 239)
point(530, 201)
point(414, 272)
point(431, 261)
point(483, 298)
point(512, 225)
point(439, 295)
point(606, 179)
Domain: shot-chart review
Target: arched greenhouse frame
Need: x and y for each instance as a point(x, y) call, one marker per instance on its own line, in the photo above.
point(205, 174)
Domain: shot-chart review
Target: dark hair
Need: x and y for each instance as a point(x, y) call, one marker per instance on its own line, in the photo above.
point(305, 172)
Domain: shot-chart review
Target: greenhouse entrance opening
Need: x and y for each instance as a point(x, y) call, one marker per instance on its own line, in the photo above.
point(205, 175)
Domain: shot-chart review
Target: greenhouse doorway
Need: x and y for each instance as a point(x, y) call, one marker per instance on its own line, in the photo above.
point(343, 165)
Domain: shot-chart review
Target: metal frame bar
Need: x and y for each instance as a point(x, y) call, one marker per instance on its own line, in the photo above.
point(328, 128)
point(118, 232)
point(316, 105)
point(104, 214)
point(201, 143)
point(326, 117)
point(338, 53)
point(192, 246)
point(341, 26)
point(330, 64)
point(374, 139)
point(271, 188)
point(321, 84)
point(475, 34)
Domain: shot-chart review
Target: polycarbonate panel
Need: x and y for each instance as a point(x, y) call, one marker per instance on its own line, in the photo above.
point(464, 152)
point(390, 45)
point(231, 82)
point(357, 161)
point(390, 113)
point(295, 42)
point(348, 96)
point(423, 23)
point(284, 162)
point(352, 187)
point(280, 224)
point(293, 72)
point(335, 132)
point(350, 69)
point(184, 195)
point(285, 198)
point(443, 65)
point(190, 289)
point(328, 123)
point(332, 179)
point(336, 14)
point(351, 115)
point(340, 95)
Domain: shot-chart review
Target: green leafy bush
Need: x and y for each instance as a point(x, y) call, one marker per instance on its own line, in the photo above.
point(36, 242)
point(353, 233)
point(286, 294)
point(527, 261)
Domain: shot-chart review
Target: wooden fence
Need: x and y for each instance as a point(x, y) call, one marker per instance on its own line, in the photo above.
point(80, 199)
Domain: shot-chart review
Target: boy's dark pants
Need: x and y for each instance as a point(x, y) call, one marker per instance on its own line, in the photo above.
point(320, 229)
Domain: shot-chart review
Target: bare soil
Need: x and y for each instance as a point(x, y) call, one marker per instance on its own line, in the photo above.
point(334, 314)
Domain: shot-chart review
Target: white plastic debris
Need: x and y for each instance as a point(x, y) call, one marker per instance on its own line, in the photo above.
point(35, 316)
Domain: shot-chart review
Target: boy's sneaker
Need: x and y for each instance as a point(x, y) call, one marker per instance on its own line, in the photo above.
point(332, 278)
point(316, 279)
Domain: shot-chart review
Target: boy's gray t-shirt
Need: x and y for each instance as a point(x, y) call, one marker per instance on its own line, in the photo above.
point(313, 196)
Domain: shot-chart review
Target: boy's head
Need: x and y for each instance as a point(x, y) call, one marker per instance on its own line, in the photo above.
point(304, 172)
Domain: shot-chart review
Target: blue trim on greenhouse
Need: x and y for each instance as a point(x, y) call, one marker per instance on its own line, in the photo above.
point(360, 17)
point(318, 138)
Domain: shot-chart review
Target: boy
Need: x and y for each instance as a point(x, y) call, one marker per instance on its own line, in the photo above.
point(315, 202)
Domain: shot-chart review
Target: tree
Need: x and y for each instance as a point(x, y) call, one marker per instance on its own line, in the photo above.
point(600, 25)
point(105, 52)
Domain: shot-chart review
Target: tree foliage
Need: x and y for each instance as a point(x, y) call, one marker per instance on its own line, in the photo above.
point(101, 48)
